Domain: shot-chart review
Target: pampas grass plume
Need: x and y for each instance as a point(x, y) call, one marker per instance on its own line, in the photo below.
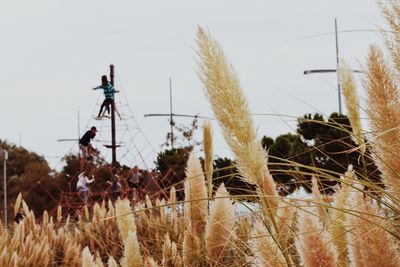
point(131, 257)
point(208, 155)
point(313, 242)
point(195, 195)
point(125, 218)
point(219, 226)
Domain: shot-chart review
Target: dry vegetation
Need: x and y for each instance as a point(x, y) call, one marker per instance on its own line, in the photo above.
point(358, 228)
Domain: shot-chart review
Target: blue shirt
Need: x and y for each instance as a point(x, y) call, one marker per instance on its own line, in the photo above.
point(109, 90)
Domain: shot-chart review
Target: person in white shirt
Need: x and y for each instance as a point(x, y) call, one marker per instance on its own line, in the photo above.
point(82, 184)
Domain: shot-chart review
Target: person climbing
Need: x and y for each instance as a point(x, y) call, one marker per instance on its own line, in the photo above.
point(83, 181)
point(109, 91)
point(85, 147)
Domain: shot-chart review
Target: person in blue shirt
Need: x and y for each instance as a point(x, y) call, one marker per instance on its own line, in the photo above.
point(109, 91)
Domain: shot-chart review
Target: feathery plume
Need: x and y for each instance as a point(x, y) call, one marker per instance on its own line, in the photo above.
point(191, 249)
point(370, 244)
point(337, 227)
point(319, 201)
point(313, 243)
point(352, 104)
point(150, 262)
point(383, 109)
point(111, 262)
point(59, 214)
point(125, 218)
point(87, 258)
point(17, 203)
point(391, 12)
point(195, 195)
point(264, 248)
point(208, 155)
point(219, 226)
point(222, 87)
point(132, 257)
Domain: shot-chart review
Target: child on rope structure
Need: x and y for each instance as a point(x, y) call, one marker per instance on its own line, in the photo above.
point(82, 184)
point(85, 147)
point(109, 91)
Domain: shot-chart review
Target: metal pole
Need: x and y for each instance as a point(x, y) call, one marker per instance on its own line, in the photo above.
point(113, 143)
point(5, 155)
point(171, 114)
point(337, 68)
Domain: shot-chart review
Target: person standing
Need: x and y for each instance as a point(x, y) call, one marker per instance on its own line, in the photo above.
point(84, 145)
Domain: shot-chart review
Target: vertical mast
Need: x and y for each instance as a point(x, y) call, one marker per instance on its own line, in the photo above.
point(113, 143)
point(171, 122)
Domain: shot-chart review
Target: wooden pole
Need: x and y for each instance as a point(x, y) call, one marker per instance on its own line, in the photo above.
point(113, 143)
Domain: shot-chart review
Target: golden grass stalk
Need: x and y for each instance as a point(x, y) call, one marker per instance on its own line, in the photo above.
point(208, 155)
point(264, 248)
point(195, 195)
point(383, 109)
point(369, 242)
point(125, 218)
point(219, 226)
point(352, 104)
point(17, 203)
point(222, 87)
point(313, 242)
point(337, 226)
point(131, 257)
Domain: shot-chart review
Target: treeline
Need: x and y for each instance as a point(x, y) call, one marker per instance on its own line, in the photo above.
point(321, 147)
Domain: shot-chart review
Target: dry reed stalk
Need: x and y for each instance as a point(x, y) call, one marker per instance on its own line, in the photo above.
point(219, 227)
point(195, 195)
point(208, 155)
point(369, 242)
point(384, 113)
point(132, 256)
point(264, 248)
point(337, 226)
point(222, 87)
point(352, 104)
point(125, 218)
point(313, 242)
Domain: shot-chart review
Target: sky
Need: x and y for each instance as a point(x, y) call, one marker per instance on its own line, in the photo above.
point(53, 52)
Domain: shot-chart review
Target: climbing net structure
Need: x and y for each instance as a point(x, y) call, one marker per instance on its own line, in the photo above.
point(133, 146)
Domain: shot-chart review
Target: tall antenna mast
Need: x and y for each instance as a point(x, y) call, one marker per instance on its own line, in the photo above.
point(113, 143)
point(171, 122)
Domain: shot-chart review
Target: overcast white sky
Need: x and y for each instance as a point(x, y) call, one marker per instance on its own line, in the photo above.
point(53, 52)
